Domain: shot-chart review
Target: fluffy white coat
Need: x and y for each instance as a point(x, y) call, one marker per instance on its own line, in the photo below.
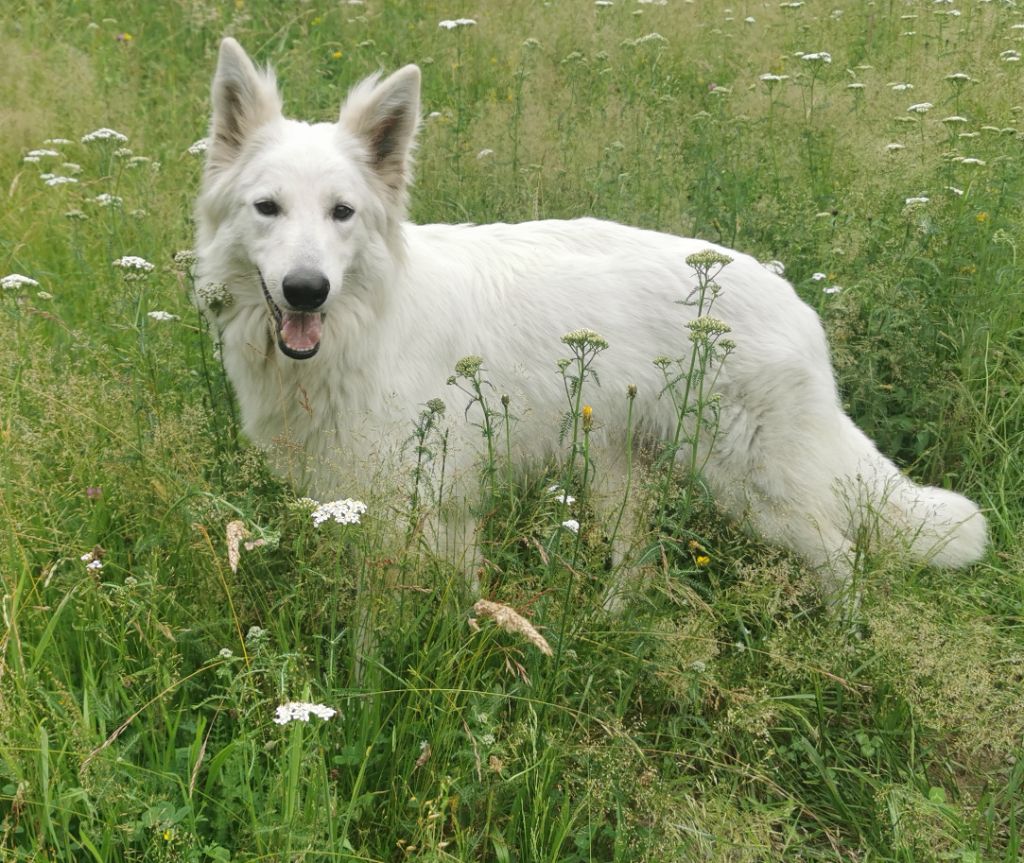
point(402, 303)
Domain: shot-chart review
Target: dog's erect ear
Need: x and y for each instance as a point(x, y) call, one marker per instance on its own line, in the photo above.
point(244, 98)
point(385, 115)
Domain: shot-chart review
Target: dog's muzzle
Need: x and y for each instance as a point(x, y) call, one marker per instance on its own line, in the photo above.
point(298, 331)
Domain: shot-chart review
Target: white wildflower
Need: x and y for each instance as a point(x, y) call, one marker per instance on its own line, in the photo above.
point(856, 85)
point(458, 22)
point(184, 258)
point(1010, 56)
point(920, 108)
point(225, 653)
point(484, 153)
point(834, 289)
point(53, 180)
point(817, 57)
point(894, 147)
point(133, 263)
point(71, 167)
point(301, 711)
point(954, 119)
point(158, 315)
point(562, 496)
point(216, 297)
point(955, 191)
point(198, 148)
point(916, 201)
point(771, 77)
point(104, 134)
point(901, 87)
point(123, 152)
point(92, 560)
point(818, 277)
point(105, 199)
point(970, 160)
point(959, 77)
point(44, 295)
point(346, 511)
point(603, 3)
point(57, 142)
point(13, 281)
point(571, 525)
point(650, 37)
point(36, 155)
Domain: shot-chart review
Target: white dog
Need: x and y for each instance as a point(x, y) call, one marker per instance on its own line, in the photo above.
point(341, 320)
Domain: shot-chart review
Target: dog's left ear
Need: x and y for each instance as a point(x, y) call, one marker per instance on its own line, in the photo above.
point(384, 115)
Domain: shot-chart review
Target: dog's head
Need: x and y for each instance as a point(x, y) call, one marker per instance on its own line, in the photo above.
point(301, 204)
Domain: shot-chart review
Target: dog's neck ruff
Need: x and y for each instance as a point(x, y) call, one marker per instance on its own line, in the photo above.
point(298, 333)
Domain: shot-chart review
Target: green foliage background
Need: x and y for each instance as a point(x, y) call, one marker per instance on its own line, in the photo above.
point(724, 715)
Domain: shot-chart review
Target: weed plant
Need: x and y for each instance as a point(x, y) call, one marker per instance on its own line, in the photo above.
point(151, 673)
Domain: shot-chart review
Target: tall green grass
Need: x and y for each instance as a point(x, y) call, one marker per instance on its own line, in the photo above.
point(723, 714)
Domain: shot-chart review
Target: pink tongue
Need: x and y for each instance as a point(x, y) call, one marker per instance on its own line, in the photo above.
point(301, 332)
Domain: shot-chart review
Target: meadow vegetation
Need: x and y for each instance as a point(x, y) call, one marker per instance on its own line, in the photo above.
point(725, 713)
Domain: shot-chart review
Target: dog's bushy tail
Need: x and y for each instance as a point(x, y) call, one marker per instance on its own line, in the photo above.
point(934, 525)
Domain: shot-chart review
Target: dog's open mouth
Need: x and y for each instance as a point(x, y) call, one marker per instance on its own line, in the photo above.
point(298, 333)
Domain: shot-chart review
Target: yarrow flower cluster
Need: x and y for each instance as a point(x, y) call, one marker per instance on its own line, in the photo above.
point(469, 366)
point(347, 511)
point(562, 496)
point(584, 338)
point(33, 156)
point(301, 711)
point(133, 266)
point(920, 108)
point(458, 22)
point(104, 199)
point(571, 525)
point(708, 258)
point(817, 57)
point(104, 134)
point(13, 281)
point(215, 296)
point(184, 259)
point(198, 148)
point(158, 315)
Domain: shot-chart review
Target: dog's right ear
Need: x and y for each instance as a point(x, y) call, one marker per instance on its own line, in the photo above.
point(244, 98)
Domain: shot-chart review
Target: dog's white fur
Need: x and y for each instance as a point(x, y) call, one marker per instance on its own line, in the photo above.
point(407, 301)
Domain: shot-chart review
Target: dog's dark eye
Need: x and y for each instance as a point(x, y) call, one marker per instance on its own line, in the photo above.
point(342, 213)
point(267, 207)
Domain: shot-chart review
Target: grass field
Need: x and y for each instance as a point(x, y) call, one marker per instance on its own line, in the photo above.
point(725, 714)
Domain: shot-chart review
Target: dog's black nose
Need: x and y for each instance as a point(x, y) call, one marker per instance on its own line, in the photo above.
point(305, 289)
